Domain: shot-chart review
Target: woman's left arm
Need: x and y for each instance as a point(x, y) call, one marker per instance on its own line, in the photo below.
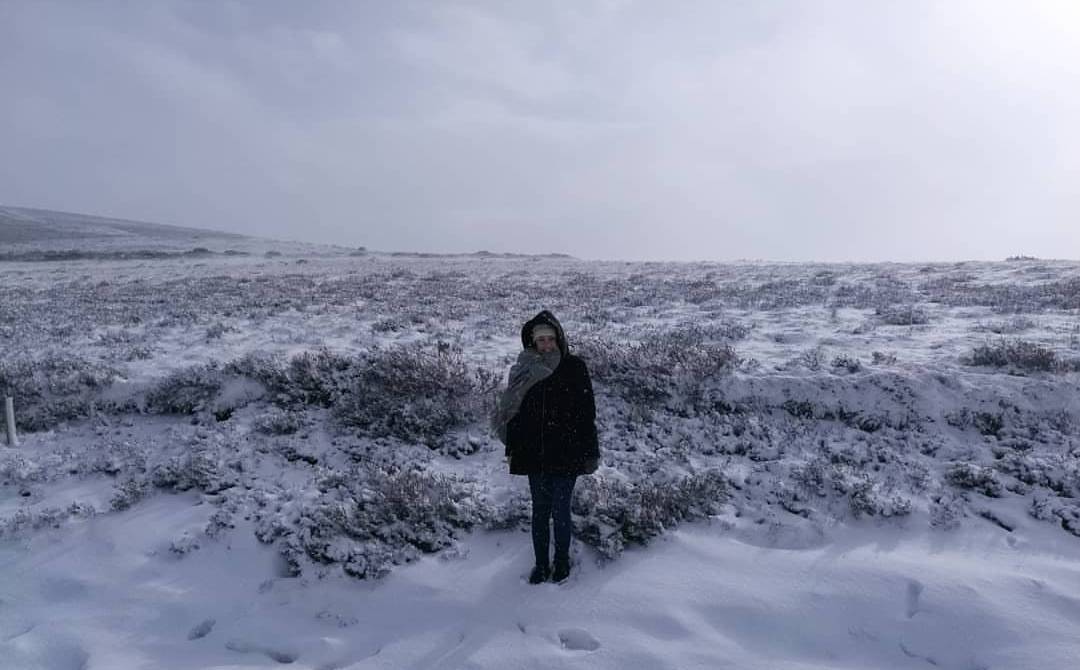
point(586, 404)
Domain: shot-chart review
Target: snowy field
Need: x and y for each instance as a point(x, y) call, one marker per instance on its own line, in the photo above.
point(267, 453)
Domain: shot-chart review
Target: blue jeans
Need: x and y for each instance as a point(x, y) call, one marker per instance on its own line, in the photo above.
point(551, 500)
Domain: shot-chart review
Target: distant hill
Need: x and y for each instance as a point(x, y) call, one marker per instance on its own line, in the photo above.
point(23, 228)
point(28, 234)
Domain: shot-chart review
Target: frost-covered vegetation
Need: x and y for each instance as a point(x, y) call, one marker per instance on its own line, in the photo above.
point(340, 405)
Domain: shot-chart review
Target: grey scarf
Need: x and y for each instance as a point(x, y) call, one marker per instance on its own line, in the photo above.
point(531, 367)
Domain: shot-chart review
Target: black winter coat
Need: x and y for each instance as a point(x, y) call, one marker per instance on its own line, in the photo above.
point(554, 431)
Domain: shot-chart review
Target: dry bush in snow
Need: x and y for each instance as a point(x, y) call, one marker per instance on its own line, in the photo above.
point(54, 388)
point(613, 512)
point(1018, 354)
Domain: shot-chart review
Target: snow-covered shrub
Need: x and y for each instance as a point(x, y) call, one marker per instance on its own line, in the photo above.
point(903, 315)
point(292, 454)
point(812, 359)
point(695, 353)
point(459, 445)
point(1020, 354)
point(780, 294)
point(727, 330)
point(1065, 513)
point(368, 519)
point(870, 498)
point(178, 316)
point(183, 545)
point(1057, 472)
point(1042, 508)
point(48, 517)
point(708, 332)
point(1069, 515)
point(218, 329)
point(840, 472)
point(975, 478)
point(883, 291)
point(136, 352)
point(1060, 420)
point(512, 512)
point(800, 409)
point(318, 377)
point(390, 324)
point(882, 358)
point(612, 512)
point(16, 468)
point(211, 388)
point(265, 368)
point(127, 493)
point(653, 369)
point(987, 423)
point(702, 400)
point(946, 511)
point(186, 391)
point(1016, 324)
point(278, 422)
point(118, 338)
point(219, 522)
point(814, 476)
point(53, 388)
point(199, 469)
point(844, 363)
point(853, 418)
point(415, 393)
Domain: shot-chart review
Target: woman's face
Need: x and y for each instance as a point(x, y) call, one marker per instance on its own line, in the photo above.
point(545, 343)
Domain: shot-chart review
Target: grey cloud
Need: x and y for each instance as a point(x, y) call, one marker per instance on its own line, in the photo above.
point(831, 130)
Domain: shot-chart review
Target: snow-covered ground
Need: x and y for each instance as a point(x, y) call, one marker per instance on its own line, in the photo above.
point(108, 593)
point(235, 460)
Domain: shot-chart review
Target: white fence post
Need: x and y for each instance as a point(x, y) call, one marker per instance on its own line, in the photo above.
point(9, 416)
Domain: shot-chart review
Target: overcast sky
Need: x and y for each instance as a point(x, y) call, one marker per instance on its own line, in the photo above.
point(828, 130)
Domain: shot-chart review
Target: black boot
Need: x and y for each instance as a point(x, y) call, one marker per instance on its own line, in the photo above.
point(539, 574)
point(561, 571)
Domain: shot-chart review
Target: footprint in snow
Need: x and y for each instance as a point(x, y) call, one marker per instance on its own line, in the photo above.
point(578, 640)
point(63, 589)
point(51, 652)
point(274, 654)
point(914, 591)
point(202, 629)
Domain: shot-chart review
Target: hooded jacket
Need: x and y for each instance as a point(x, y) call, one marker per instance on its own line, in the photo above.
point(554, 431)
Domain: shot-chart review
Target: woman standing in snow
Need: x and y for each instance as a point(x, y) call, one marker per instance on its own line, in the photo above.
point(547, 420)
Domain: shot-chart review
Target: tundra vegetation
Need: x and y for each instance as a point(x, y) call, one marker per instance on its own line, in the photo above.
point(340, 405)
